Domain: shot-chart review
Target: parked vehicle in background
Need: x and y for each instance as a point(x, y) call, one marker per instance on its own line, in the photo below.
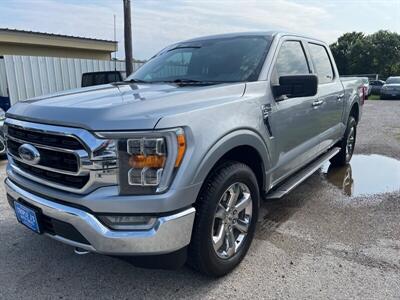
point(376, 86)
point(98, 78)
point(2, 140)
point(175, 160)
point(391, 89)
point(367, 87)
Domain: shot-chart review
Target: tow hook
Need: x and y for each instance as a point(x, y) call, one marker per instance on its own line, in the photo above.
point(80, 251)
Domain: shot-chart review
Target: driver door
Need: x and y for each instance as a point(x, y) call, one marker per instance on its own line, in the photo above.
point(294, 121)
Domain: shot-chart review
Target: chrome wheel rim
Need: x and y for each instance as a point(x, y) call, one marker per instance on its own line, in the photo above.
point(2, 146)
point(232, 220)
point(350, 143)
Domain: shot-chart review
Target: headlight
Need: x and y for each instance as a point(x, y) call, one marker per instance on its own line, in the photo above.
point(147, 161)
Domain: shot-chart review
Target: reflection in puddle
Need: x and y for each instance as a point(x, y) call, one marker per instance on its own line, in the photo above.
point(365, 175)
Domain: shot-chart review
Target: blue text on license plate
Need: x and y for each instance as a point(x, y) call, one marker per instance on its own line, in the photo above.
point(26, 216)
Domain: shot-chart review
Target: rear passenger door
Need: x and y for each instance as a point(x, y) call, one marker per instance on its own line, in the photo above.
point(330, 95)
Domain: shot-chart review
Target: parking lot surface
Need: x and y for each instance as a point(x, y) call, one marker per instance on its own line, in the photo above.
point(336, 236)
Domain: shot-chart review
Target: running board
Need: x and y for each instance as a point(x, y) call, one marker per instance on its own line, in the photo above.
point(301, 175)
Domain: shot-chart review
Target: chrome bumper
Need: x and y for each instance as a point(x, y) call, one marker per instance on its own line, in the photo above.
point(170, 233)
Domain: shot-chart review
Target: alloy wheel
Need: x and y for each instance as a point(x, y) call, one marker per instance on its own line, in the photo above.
point(350, 143)
point(232, 220)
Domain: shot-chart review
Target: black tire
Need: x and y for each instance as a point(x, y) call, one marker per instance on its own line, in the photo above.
point(344, 156)
point(202, 256)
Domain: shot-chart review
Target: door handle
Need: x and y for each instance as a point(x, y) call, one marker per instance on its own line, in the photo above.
point(340, 97)
point(317, 103)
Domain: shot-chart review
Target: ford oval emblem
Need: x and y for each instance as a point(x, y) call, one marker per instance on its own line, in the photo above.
point(29, 154)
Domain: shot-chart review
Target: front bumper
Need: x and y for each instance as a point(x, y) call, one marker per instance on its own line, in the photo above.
point(170, 233)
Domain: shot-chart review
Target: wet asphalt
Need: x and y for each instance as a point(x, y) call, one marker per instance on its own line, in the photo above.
point(336, 236)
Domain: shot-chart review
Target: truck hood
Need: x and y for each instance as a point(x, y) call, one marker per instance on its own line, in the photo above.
point(121, 106)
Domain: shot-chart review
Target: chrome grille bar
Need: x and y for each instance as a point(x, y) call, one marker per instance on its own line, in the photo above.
point(96, 159)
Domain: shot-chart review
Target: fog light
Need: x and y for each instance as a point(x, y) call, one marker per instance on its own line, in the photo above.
point(119, 222)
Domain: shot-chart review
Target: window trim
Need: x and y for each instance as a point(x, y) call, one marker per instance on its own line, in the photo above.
point(310, 69)
point(314, 64)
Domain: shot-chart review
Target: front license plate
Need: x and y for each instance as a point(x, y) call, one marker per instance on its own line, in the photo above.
point(27, 216)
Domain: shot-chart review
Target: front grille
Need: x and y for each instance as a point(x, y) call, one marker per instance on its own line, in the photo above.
point(76, 182)
point(59, 156)
point(66, 158)
point(47, 225)
point(49, 158)
point(46, 139)
point(55, 227)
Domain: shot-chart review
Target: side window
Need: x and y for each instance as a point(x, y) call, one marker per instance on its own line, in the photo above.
point(322, 63)
point(291, 60)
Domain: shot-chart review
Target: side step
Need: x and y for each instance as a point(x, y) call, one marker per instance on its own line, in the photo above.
point(301, 175)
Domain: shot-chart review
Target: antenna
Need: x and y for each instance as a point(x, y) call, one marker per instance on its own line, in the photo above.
point(115, 39)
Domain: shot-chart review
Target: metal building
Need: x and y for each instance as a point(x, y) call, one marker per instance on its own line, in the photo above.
point(29, 43)
point(35, 63)
point(25, 77)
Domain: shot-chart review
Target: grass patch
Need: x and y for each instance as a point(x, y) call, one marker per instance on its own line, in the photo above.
point(374, 97)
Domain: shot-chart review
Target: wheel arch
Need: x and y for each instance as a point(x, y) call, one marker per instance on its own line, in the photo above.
point(244, 146)
point(355, 111)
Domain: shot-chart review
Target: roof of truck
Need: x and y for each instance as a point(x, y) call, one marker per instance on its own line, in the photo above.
point(271, 33)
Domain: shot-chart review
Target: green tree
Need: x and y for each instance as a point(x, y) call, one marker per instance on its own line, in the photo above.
point(378, 53)
point(342, 50)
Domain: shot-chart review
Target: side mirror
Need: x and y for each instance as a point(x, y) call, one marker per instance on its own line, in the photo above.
point(296, 86)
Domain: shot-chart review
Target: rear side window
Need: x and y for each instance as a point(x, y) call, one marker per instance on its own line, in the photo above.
point(322, 63)
point(291, 60)
point(99, 78)
point(87, 80)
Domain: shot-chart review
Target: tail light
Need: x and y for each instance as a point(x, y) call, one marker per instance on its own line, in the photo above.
point(362, 92)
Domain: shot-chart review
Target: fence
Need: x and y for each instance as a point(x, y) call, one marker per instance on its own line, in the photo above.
point(32, 76)
point(3, 79)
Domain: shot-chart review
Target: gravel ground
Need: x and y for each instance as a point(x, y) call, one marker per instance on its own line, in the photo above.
point(315, 243)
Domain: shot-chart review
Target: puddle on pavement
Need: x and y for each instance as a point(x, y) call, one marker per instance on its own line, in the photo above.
point(365, 175)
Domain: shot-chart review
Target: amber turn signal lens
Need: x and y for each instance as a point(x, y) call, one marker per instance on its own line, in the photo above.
point(181, 149)
point(150, 161)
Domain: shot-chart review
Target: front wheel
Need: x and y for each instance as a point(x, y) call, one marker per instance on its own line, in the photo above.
point(226, 217)
point(347, 144)
point(3, 149)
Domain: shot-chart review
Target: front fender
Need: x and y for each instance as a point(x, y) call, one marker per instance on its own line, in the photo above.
point(242, 137)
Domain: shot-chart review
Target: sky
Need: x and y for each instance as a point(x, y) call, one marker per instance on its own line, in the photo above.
point(156, 24)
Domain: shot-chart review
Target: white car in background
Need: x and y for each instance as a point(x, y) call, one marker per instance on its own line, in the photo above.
point(391, 89)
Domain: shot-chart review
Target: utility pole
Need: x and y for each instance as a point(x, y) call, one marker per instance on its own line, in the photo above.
point(128, 37)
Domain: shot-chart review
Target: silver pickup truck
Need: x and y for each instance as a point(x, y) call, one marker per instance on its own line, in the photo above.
point(173, 162)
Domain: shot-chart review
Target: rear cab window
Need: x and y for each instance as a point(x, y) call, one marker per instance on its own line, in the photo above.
point(322, 63)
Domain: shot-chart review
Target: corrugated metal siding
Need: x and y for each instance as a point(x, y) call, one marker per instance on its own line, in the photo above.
point(3, 79)
point(32, 76)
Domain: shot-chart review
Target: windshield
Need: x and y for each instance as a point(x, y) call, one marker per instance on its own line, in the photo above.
point(208, 61)
point(391, 80)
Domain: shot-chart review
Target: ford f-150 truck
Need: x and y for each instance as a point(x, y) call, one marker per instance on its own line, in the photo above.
point(174, 161)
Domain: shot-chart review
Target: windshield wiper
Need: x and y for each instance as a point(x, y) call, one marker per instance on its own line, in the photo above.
point(193, 81)
point(137, 81)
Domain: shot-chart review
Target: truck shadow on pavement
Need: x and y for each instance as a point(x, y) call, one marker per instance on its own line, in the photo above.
point(44, 267)
point(50, 268)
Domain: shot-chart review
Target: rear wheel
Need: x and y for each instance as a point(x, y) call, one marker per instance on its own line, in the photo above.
point(347, 144)
point(226, 216)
